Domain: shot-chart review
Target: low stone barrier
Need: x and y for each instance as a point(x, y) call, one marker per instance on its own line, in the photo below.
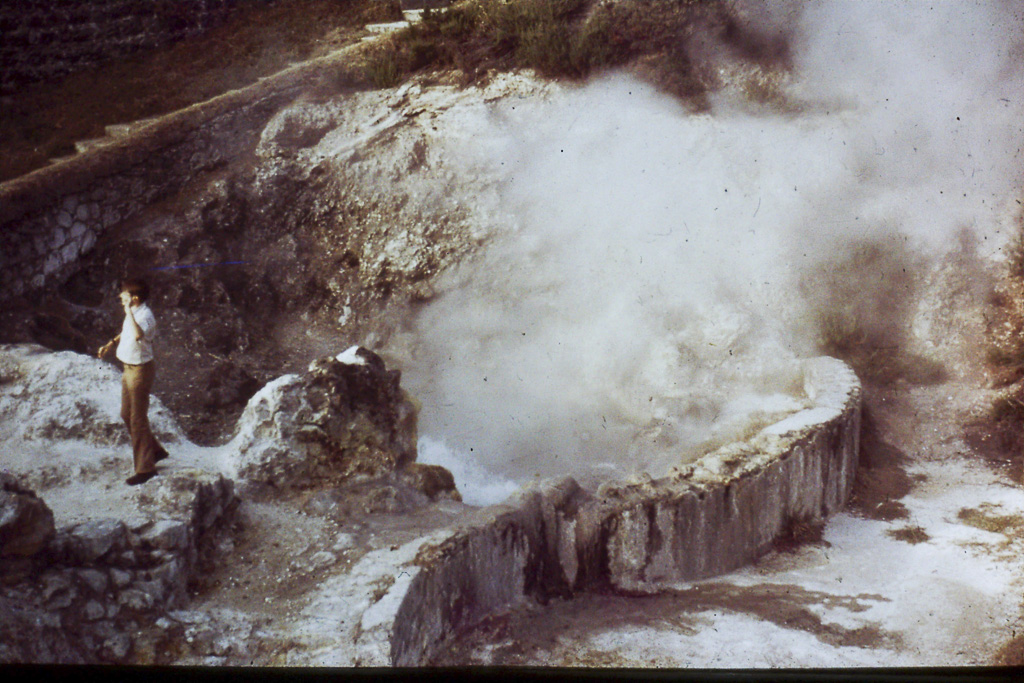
point(96, 581)
point(707, 518)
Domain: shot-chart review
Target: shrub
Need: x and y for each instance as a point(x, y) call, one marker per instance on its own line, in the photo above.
point(566, 38)
point(382, 66)
point(862, 303)
point(911, 534)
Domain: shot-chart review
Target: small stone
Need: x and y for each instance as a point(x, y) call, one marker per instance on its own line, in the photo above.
point(51, 265)
point(120, 577)
point(94, 579)
point(170, 572)
point(92, 540)
point(112, 609)
point(343, 541)
point(156, 590)
point(116, 646)
point(163, 623)
point(135, 599)
point(82, 213)
point(64, 220)
point(61, 599)
point(94, 610)
point(69, 252)
point(77, 230)
point(189, 617)
point(167, 534)
point(88, 241)
point(55, 582)
point(321, 560)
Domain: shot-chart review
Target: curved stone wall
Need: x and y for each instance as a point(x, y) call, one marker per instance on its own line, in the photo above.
point(705, 519)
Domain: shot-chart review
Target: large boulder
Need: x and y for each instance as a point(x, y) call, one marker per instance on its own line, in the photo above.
point(26, 528)
point(346, 416)
point(26, 523)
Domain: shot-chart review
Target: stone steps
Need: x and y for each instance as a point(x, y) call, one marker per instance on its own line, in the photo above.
point(412, 16)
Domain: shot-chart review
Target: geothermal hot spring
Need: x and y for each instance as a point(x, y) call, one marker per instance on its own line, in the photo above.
point(659, 273)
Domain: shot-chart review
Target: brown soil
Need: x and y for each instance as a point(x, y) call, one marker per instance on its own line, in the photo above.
point(881, 478)
point(523, 637)
point(44, 121)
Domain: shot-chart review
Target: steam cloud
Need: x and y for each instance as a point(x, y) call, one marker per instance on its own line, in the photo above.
point(642, 301)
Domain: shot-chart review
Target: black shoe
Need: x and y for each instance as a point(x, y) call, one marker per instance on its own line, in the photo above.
point(140, 478)
point(162, 455)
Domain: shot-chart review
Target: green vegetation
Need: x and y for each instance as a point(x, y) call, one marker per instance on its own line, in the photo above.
point(571, 39)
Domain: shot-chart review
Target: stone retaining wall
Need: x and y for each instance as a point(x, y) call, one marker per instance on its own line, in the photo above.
point(705, 519)
point(98, 580)
point(52, 216)
point(45, 40)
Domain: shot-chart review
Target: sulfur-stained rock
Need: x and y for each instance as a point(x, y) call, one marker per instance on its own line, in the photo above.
point(26, 523)
point(432, 480)
point(345, 416)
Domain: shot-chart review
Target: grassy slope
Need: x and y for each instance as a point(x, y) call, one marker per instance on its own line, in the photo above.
point(657, 39)
point(45, 120)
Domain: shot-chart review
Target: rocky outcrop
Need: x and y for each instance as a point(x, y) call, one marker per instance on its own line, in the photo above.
point(36, 405)
point(345, 419)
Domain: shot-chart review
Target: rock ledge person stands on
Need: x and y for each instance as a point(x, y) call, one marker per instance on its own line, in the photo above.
point(135, 350)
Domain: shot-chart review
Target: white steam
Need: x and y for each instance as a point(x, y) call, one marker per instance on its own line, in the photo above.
point(642, 300)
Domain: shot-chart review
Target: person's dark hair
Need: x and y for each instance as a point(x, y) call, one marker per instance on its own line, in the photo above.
point(136, 287)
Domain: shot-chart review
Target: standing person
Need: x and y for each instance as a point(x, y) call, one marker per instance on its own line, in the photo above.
point(135, 350)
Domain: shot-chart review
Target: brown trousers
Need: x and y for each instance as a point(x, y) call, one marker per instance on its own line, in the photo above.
point(136, 383)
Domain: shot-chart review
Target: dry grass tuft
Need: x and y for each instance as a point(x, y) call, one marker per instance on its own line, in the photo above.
point(910, 534)
point(982, 518)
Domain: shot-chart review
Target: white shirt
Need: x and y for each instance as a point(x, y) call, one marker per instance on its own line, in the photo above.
point(130, 350)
